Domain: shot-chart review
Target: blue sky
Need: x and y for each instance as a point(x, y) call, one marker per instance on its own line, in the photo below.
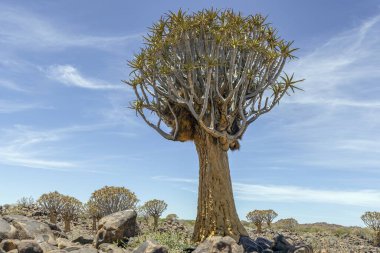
point(65, 125)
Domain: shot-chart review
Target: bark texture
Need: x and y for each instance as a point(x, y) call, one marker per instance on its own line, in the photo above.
point(216, 213)
point(67, 226)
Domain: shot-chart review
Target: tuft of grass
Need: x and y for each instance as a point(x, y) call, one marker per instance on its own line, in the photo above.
point(175, 242)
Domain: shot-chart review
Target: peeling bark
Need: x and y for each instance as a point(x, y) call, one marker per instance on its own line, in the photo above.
point(216, 213)
point(67, 226)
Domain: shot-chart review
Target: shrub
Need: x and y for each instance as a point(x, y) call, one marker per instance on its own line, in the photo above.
point(25, 202)
point(172, 216)
point(71, 209)
point(288, 224)
point(372, 220)
point(52, 204)
point(155, 208)
point(257, 218)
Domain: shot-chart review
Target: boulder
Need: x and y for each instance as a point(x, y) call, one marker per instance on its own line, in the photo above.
point(9, 244)
point(63, 243)
point(85, 250)
point(7, 231)
point(46, 247)
point(29, 246)
point(116, 226)
point(13, 251)
point(28, 228)
point(219, 244)
point(150, 246)
point(110, 248)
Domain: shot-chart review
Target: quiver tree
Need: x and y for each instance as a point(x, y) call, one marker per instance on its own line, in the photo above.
point(94, 212)
point(71, 209)
point(372, 220)
point(52, 203)
point(172, 217)
point(205, 77)
point(269, 216)
point(111, 199)
point(155, 208)
point(257, 217)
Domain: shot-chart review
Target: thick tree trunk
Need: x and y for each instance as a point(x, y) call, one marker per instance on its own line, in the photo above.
point(94, 224)
point(155, 218)
point(216, 207)
point(67, 225)
point(259, 227)
point(53, 217)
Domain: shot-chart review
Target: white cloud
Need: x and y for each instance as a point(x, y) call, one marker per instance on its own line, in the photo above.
point(292, 194)
point(345, 67)
point(20, 28)
point(11, 85)
point(7, 106)
point(70, 76)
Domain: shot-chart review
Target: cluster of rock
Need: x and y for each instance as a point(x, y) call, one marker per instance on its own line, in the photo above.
point(172, 225)
point(21, 234)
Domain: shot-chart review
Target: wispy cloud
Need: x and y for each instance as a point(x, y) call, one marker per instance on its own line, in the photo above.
point(7, 106)
point(291, 193)
point(343, 69)
point(11, 85)
point(20, 28)
point(70, 76)
point(25, 147)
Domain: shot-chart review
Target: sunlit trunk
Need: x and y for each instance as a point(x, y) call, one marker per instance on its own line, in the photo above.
point(216, 213)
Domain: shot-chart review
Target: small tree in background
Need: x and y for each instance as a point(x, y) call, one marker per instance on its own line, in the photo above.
point(93, 212)
point(257, 217)
point(269, 216)
point(111, 199)
point(372, 220)
point(52, 204)
point(71, 209)
point(288, 223)
point(155, 208)
point(172, 217)
point(205, 77)
point(25, 202)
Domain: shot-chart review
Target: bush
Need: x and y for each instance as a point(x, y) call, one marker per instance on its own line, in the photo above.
point(175, 242)
point(287, 224)
point(25, 202)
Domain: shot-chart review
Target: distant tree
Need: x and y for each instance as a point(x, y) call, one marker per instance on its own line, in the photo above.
point(372, 220)
point(52, 203)
point(172, 216)
point(111, 199)
point(93, 212)
point(205, 77)
point(269, 216)
point(71, 209)
point(25, 202)
point(155, 208)
point(288, 223)
point(257, 217)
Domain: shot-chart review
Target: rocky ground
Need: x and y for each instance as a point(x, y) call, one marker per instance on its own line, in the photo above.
point(31, 233)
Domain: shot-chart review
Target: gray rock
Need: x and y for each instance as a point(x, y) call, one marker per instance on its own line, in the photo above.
point(116, 226)
point(63, 243)
point(9, 244)
point(59, 234)
point(57, 251)
point(13, 251)
point(84, 240)
point(85, 250)
point(216, 244)
point(29, 246)
point(150, 246)
point(7, 231)
point(28, 228)
point(110, 248)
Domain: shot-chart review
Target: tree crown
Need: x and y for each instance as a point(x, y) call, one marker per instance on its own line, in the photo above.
point(215, 70)
point(155, 207)
point(51, 202)
point(372, 220)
